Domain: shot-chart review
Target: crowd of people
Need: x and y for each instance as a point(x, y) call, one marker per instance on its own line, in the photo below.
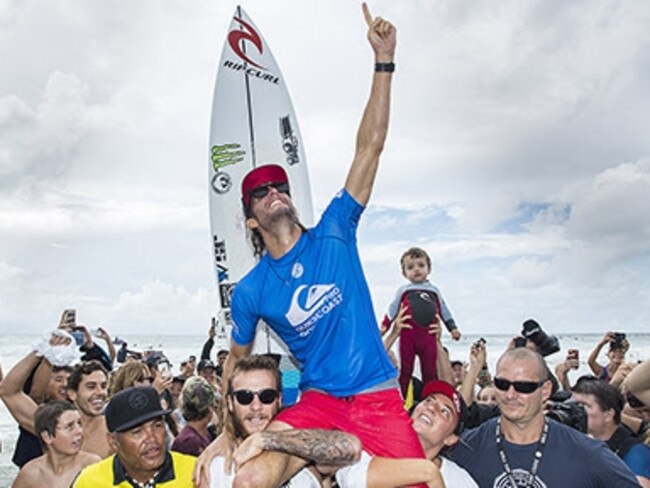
point(142, 422)
point(93, 416)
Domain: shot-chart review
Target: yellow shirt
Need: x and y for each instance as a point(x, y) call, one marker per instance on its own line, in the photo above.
point(175, 473)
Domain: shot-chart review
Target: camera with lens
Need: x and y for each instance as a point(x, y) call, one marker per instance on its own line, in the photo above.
point(619, 341)
point(546, 344)
point(568, 412)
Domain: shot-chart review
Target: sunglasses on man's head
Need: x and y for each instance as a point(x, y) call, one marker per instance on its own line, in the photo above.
point(519, 386)
point(266, 396)
point(262, 191)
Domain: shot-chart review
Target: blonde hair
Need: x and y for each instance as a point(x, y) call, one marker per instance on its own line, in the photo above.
point(127, 375)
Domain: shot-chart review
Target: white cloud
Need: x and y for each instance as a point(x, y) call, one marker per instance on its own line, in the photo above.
point(517, 154)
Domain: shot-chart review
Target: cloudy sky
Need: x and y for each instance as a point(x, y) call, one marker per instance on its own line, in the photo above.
point(518, 155)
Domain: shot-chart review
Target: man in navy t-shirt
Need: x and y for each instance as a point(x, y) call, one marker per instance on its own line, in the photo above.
point(523, 447)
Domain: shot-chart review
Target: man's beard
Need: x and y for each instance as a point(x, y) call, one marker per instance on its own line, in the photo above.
point(238, 427)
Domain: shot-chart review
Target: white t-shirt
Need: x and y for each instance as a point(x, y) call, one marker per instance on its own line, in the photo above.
point(356, 475)
point(219, 479)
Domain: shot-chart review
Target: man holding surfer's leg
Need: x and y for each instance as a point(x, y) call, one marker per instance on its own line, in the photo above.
point(310, 288)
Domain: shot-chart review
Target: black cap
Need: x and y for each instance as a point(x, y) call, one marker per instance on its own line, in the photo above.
point(132, 407)
point(205, 364)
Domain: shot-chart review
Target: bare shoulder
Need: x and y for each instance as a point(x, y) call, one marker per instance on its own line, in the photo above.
point(86, 458)
point(31, 474)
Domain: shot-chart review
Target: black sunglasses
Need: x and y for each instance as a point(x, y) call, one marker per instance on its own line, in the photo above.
point(633, 401)
point(266, 396)
point(262, 191)
point(519, 386)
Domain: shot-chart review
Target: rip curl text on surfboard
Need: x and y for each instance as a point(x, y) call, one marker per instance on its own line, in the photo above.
point(252, 72)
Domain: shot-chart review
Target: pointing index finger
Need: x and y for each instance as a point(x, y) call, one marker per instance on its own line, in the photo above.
point(366, 13)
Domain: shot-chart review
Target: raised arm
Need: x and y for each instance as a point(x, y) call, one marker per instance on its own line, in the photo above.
point(40, 381)
point(477, 357)
point(596, 368)
point(106, 337)
point(396, 327)
point(19, 404)
point(374, 123)
point(443, 364)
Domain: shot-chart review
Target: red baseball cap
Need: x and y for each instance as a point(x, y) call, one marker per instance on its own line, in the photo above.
point(269, 173)
point(444, 388)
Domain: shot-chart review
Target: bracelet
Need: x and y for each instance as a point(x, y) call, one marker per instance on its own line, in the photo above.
point(384, 67)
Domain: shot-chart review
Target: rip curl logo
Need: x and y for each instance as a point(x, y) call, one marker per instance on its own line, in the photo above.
point(309, 304)
point(520, 477)
point(248, 34)
point(425, 297)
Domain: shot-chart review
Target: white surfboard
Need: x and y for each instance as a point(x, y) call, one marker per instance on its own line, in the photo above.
point(253, 123)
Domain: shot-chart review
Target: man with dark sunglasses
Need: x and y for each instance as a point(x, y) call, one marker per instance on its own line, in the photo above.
point(437, 419)
point(523, 447)
point(309, 287)
point(253, 399)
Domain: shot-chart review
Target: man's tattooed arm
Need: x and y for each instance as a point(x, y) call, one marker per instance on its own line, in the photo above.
point(331, 447)
point(323, 447)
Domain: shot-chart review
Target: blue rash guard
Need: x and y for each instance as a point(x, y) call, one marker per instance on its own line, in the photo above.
point(317, 300)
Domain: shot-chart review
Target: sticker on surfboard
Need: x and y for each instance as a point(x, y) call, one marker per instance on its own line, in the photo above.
point(253, 123)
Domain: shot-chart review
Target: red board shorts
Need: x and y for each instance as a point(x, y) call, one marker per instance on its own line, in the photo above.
point(378, 419)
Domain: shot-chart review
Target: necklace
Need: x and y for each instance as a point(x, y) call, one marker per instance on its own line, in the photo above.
point(536, 460)
point(147, 484)
point(295, 268)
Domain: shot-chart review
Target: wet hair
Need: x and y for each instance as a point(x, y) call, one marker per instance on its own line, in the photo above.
point(84, 369)
point(522, 353)
point(607, 396)
point(415, 253)
point(127, 375)
point(256, 362)
point(46, 417)
point(57, 369)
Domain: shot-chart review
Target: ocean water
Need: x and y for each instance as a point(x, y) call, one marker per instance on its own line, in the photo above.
point(178, 348)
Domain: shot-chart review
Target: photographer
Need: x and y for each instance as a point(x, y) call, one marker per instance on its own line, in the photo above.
point(571, 361)
point(604, 404)
point(618, 347)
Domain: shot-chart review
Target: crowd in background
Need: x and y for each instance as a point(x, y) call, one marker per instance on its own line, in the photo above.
point(58, 394)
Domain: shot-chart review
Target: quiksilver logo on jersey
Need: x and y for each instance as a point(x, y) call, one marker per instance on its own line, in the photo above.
point(309, 304)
